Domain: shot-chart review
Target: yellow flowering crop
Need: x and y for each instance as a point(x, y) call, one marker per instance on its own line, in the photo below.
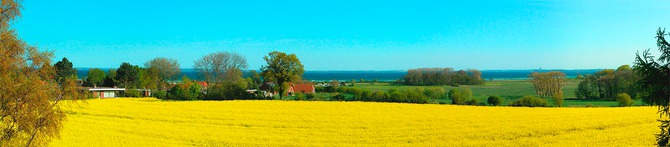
point(151, 122)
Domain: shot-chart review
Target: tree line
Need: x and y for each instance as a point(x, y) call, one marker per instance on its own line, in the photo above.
point(549, 84)
point(442, 76)
point(607, 83)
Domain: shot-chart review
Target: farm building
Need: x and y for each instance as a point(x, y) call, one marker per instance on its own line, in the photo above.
point(299, 87)
point(106, 92)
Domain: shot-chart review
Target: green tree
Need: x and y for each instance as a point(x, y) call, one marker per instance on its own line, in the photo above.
point(127, 75)
point(255, 78)
point(221, 67)
point(353, 82)
point(110, 81)
point(654, 81)
point(460, 96)
point(95, 77)
point(282, 68)
point(165, 68)
point(624, 99)
point(64, 70)
point(495, 100)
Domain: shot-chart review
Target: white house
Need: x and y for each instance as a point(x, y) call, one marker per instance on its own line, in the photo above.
point(105, 92)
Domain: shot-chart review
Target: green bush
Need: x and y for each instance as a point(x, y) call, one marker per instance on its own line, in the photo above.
point(338, 97)
point(132, 93)
point(460, 96)
point(558, 99)
point(299, 96)
point(160, 94)
point(472, 102)
point(310, 96)
point(495, 100)
point(529, 101)
point(624, 99)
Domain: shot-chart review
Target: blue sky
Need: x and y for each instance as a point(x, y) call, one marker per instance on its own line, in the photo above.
point(349, 34)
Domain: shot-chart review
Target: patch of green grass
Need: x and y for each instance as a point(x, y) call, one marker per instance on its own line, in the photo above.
point(509, 90)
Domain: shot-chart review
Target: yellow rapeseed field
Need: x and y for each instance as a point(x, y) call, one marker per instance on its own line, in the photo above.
point(152, 122)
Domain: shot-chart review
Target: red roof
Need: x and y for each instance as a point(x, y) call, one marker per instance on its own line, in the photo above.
point(304, 88)
point(203, 84)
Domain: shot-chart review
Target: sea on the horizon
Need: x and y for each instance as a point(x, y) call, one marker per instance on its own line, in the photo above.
point(389, 75)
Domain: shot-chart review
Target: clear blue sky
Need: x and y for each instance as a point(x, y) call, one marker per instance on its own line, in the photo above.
point(349, 34)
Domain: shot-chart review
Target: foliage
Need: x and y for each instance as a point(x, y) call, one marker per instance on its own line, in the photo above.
point(529, 101)
point(131, 92)
point(460, 96)
point(167, 68)
point(282, 68)
point(442, 76)
point(110, 81)
point(654, 81)
point(160, 94)
point(558, 99)
point(310, 96)
point(220, 66)
point(300, 96)
point(494, 100)
point(187, 90)
point(127, 75)
point(338, 97)
point(284, 123)
point(548, 84)
point(353, 82)
point(95, 77)
point(64, 70)
point(624, 99)
point(605, 84)
point(30, 87)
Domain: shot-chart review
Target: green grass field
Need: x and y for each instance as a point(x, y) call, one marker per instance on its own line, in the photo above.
point(510, 90)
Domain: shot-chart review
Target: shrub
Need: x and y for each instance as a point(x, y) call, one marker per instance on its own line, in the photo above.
point(299, 96)
point(495, 100)
point(529, 101)
point(472, 102)
point(558, 99)
point(160, 94)
point(132, 93)
point(454, 85)
point(460, 96)
point(310, 96)
point(338, 97)
point(624, 99)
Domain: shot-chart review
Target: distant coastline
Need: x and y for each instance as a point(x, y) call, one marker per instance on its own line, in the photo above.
point(390, 75)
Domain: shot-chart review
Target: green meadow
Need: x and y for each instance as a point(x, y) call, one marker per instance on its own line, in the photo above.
point(509, 90)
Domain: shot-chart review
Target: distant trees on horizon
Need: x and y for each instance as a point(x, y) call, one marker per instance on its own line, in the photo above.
point(442, 76)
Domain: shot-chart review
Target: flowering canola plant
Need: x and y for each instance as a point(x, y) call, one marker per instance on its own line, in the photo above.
point(152, 122)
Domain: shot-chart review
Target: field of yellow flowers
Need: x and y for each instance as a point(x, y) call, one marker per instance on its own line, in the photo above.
point(152, 122)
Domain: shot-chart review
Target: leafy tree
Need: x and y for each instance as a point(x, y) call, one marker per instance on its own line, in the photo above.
point(548, 84)
point(111, 81)
point(127, 75)
point(95, 77)
point(150, 78)
point(495, 100)
point(221, 66)
point(187, 90)
point(282, 68)
point(166, 69)
point(460, 96)
point(624, 99)
point(558, 99)
point(64, 70)
point(353, 82)
point(29, 91)
point(654, 81)
point(255, 78)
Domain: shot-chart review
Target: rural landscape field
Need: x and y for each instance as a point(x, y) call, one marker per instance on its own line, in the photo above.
point(334, 73)
point(152, 122)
